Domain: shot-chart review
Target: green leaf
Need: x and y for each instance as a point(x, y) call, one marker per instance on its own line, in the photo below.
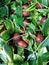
point(32, 26)
point(30, 44)
point(43, 11)
point(45, 27)
point(4, 2)
point(1, 27)
point(42, 51)
point(45, 57)
point(17, 58)
point(10, 63)
point(44, 43)
point(13, 5)
point(3, 64)
point(18, 20)
point(9, 52)
point(2, 43)
point(3, 56)
point(19, 11)
point(26, 63)
point(40, 62)
point(33, 62)
point(4, 11)
point(24, 1)
point(7, 1)
point(19, 1)
point(9, 25)
point(1, 21)
point(20, 51)
point(44, 2)
point(5, 35)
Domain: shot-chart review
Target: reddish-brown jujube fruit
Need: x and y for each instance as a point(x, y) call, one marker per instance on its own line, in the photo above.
point(22, 43)
point(39, 37)
point(25, 40)
point(43, 19)
point(25, 14)
point(16, 37)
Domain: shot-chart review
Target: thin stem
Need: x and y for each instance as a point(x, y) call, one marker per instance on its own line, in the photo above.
point(42, 4)
point(14, 37)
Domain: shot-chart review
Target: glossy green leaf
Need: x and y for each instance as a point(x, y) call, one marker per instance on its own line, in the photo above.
point(3, 56)
point(9, 25)
point(5, 35)
point(4, 11)
point(19, 11)
point(9, 52)
point(19, 1)
point(4, 2)
point(2, 43)
point(17, 58)
point(26, 63)
point(44, 2)
point(40, 62)
point(13, 6)
point(45, 57)
point(10, 63)
point(18, 20)
point(1, 21)
point(42, 51)
point(32, 26)
point(24, 1)
point(20, 51)
point(7, 1)
point(1, 27)
point(45, 27)
point(33, 62)
point(43, 11)
point(30, 44)
point(44, 43)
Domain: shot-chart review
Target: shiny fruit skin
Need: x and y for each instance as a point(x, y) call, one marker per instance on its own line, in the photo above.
point(39, 38)
point(25, 40)
point(25, 14)
point(16, 37)
point(22, 44)
point(43, 19)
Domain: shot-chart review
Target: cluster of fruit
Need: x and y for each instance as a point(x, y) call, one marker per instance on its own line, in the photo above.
point(39, 37)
